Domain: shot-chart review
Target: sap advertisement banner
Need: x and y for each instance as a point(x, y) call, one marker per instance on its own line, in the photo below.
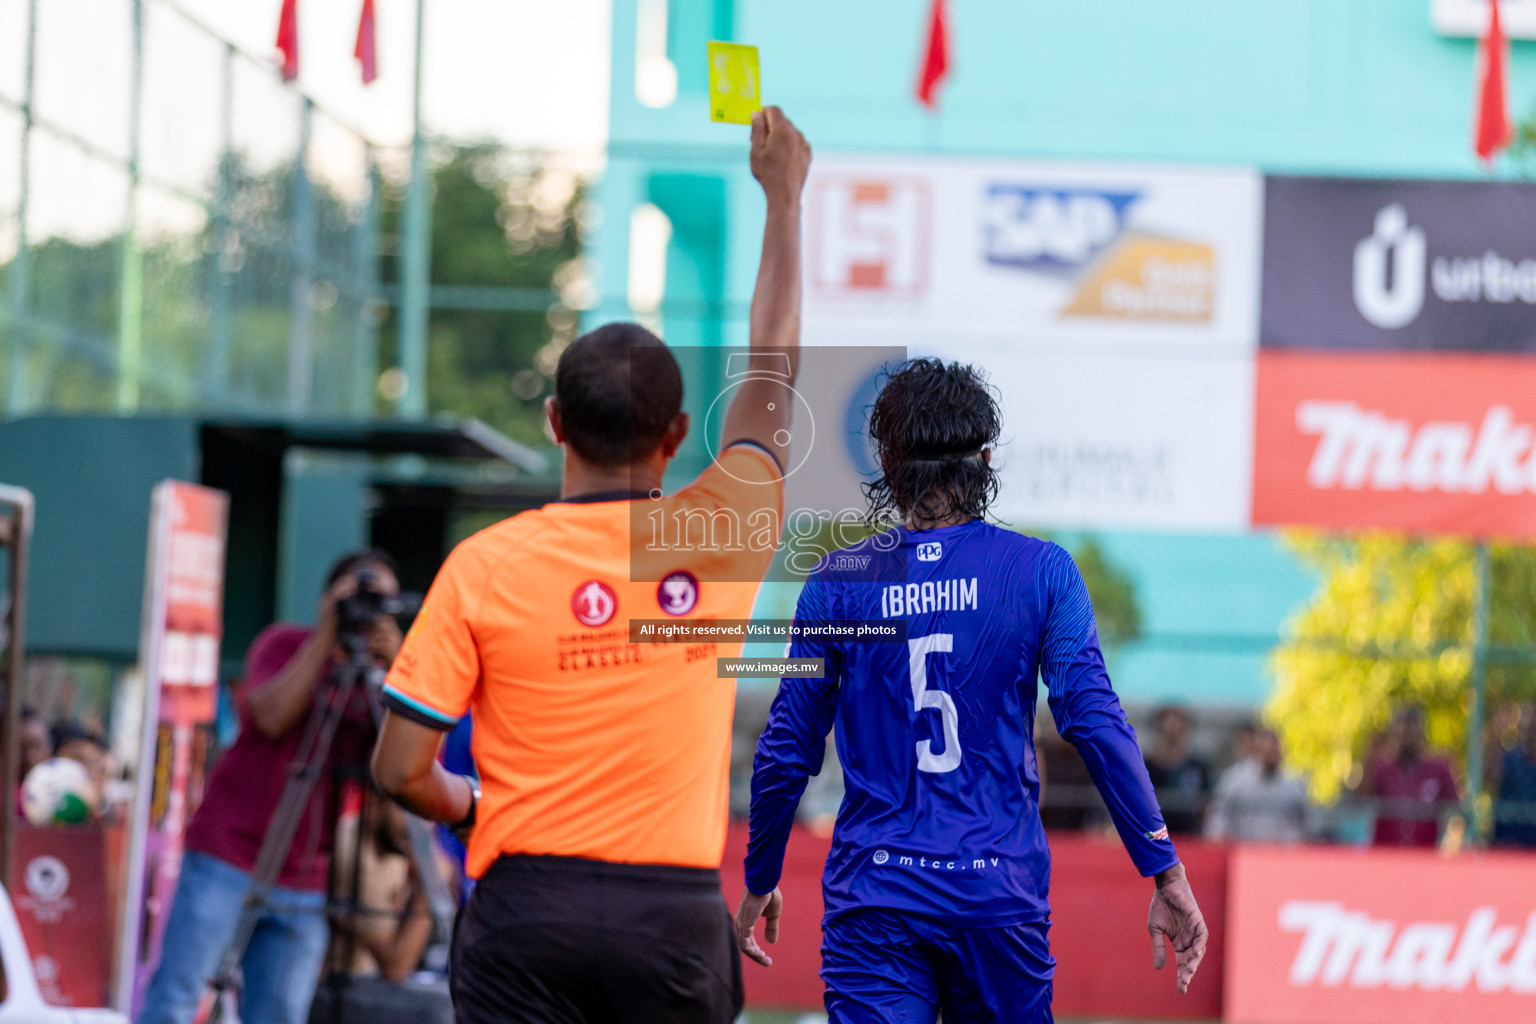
point(1115, 308)
point(1379, 937)
point(1421, 443)
point(1035, 254)
point(1406, 265)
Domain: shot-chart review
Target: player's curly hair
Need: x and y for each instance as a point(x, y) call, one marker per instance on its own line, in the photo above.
point(929, 425)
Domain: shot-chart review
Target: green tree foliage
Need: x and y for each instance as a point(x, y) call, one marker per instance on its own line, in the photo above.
point(1391, 625)
point(1116, 611)
point(498, 221)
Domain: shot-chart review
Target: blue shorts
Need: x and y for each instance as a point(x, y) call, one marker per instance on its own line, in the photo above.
point(885, 967)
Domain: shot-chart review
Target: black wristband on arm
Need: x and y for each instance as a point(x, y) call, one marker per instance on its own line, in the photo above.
point(462, 827)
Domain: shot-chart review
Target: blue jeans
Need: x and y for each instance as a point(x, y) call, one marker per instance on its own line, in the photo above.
point(281, 965)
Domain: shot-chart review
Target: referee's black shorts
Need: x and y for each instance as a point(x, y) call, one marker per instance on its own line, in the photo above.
point(562, 940)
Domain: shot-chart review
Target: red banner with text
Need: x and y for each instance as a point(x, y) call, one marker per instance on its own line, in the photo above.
point(1380, 937)
point(1425, 443)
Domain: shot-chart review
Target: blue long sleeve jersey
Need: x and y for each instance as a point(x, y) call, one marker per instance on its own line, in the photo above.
point(941, 813)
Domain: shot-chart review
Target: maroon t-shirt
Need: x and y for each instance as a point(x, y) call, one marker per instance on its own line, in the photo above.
point(1409, 817)
point(244, 789)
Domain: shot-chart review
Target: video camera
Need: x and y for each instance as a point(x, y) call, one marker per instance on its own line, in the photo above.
point(356, 613)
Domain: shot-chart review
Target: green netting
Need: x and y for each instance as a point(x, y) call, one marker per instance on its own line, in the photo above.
point(191, 232)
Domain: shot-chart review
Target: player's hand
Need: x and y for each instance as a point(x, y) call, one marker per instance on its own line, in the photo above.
point(781, 158)
point(752, 907)
point(1176, 917)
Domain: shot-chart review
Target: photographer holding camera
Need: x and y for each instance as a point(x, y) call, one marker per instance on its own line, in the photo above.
point(287, 668)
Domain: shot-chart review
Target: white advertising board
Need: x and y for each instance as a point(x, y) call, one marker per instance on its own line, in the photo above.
point(1038, 254)
point(1115, 308)
point(1469, 18)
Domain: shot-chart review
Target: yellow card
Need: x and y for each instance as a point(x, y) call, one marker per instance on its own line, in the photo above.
point(735, 88)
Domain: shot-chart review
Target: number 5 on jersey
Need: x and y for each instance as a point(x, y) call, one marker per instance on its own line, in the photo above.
point(924, 699)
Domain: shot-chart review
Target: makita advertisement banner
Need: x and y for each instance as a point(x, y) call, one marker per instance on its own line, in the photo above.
point(1379, 937)
point(1420, 443)
point(1399, 265)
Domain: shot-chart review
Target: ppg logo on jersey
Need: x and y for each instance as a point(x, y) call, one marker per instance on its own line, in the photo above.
point(930, 552)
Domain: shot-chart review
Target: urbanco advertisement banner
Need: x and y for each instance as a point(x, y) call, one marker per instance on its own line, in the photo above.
point(1399, 265)
point(1424, 443)
point(1114, 308)
point(1037, 253)
point(1379, 937)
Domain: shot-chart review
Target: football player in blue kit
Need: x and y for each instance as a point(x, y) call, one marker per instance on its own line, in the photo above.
point(936, 885)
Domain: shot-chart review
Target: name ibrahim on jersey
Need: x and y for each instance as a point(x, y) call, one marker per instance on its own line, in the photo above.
point(936, 886)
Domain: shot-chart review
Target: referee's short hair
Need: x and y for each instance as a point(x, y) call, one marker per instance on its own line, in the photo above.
point(930, 424)
point(618, 389)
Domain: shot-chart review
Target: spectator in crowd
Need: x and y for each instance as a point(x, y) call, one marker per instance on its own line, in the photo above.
point(1514, 820)
point(1256, 801)
point(36, 740)
point(88, 748)
point(287, 669)
point(82, 745)
point(1180, 779)
point(1243, 748)
point(1412, 789)
point(1068, 798)
point(389, 929)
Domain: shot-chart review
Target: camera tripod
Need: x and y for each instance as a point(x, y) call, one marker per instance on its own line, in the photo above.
point(357, 677)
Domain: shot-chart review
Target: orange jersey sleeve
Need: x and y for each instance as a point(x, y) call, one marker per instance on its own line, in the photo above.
point(435, 675)
point(728, 521)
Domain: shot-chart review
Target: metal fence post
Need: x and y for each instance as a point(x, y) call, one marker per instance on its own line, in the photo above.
point(365, 283)
point(20, 328)
point(130, 311)
point(221, 280)
point(301, 340)
point(416, 257)
point(1481, 600)
point(15, 534)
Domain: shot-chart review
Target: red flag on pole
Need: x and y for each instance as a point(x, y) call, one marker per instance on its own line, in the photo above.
point(935, 57)
point(365, 51)
point(288, 39)
point(1493, 130)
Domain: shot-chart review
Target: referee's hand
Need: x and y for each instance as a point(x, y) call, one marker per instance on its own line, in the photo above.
point(1175, 916)
point(752, 907)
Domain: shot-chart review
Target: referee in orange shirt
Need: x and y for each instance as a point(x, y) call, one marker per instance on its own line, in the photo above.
point(598, 839)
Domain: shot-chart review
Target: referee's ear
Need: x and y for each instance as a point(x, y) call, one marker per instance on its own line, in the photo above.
point(672, 440)
point(552, 414)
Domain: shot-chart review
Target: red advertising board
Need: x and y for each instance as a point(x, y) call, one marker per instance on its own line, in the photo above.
point(62, 905)
point(179, 659)
point(1098, 929)
point(1380, 937)
point(1099, 932)
point(1425, 443)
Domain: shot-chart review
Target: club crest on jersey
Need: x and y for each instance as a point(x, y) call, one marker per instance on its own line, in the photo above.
point(678, 593)
point(594, 603)
point(931, 551)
